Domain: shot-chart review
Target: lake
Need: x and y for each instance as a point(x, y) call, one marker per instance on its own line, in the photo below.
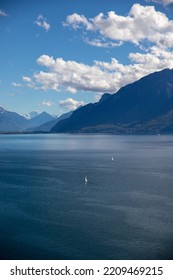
point(124, 211)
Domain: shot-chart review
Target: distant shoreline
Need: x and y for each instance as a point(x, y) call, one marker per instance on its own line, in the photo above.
point(84, 133)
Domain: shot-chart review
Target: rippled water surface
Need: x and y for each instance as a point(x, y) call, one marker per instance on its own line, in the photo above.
point(125, 211)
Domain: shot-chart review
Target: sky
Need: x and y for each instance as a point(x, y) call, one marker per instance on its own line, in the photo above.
point(56, 55)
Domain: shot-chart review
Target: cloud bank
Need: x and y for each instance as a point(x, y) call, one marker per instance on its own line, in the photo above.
point(142, 23)
point(100, 77)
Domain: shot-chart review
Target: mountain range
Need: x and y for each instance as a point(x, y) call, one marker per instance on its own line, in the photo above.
point(145, 106)
point(13, 122)
point(47, 126)
point(30, 115)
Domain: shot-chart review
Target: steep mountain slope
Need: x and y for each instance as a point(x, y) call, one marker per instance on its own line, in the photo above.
point(11, 121)
point(40, 119)
point(47, 126)
point(31, 114)
point(141, 107)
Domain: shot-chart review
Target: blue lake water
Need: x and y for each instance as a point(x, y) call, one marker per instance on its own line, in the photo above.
point(125, 211)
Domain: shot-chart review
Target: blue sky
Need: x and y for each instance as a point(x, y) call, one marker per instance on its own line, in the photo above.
point(57, 55)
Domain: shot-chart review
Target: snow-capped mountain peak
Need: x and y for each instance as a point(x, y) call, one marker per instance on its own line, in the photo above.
point(30, 115)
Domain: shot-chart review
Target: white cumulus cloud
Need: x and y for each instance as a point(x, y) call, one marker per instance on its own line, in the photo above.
point(41, 22)
point(70, 103)
point(142, 23)
point(47, 103)
point(16, 84)
point(101, 76)
point(26, 79)
point(73, 76)
point(76, 21)
point(102, 43)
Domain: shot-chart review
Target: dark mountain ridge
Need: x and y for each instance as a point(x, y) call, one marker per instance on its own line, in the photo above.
point(135, 108)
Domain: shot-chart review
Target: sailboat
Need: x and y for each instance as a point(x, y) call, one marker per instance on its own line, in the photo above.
point(86, 180)
point(112, 159)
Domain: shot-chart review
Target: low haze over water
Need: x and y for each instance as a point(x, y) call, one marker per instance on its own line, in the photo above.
point(124, 211)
